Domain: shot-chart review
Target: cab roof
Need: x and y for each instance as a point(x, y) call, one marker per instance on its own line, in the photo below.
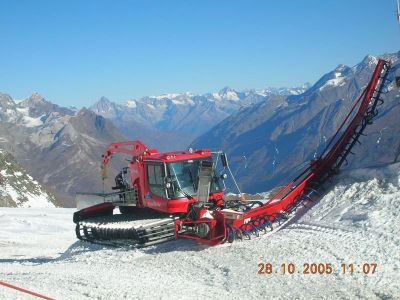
point(177, 155)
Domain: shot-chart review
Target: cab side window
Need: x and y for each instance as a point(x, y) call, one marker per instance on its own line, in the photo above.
point(155, 176)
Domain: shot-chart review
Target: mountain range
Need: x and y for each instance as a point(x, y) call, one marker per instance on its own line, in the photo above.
point(60, 147)
point(171, 121)
point(271, 141)
point(268, 134)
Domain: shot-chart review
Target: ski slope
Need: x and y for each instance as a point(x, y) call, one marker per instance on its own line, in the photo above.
point(357, 222)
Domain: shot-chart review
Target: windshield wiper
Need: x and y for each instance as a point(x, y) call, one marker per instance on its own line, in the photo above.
point(185, 193)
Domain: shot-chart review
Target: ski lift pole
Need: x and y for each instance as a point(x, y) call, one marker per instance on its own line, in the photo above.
point(398, 11)
point(224, 160)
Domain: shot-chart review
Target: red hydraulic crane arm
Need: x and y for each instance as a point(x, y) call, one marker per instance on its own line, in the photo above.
point(133, 148)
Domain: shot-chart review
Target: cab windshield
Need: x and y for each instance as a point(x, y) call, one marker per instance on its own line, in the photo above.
point(183, 176)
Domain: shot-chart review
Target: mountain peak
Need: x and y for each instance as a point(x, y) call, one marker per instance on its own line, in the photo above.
point(228, 93)
point(341, 68)
point(104, 99)
point(84, 111)
point(103, 102)
point(335, 78)
point(392, 57)
point(370, 60)
point(225, 90)
point(36, 98)
point(131, 103)
point(104, 106)
point(6, 100)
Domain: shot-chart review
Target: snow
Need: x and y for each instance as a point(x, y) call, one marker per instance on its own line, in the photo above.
point(131, 103)
point(190, 102)
point(175, 98)
point(41, 199)
point(32, 122)
point(261, 93)
point(232, 96)
point(20, 114)
point(225, 94)
point(21, 188)
point(391, 87)
point(338, 80)
point(166, 96)
point(23, 110)
point(10, 112)
point(11, 192)
point(177, 102)
point(296, 92)
point(216, 96)
point(357, 222)
point(372, 60)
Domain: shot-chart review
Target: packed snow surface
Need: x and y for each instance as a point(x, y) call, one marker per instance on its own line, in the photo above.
point(356, 222)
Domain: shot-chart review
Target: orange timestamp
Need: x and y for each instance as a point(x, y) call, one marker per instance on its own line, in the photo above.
point(317, 268)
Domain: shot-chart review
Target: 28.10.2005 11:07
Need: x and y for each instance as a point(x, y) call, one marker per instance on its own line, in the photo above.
point(317, 268)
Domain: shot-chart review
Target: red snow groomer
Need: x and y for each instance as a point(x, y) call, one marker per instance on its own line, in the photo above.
point(166, 196)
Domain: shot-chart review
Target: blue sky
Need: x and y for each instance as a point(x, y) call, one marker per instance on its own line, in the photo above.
point(73, 52)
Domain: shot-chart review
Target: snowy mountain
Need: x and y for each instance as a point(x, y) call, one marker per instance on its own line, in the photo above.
point(31, 112)
point(68, 154)
point(356, 222)
point(18, 188)
point(272, 140)
point(59, 147)
point(177, 119)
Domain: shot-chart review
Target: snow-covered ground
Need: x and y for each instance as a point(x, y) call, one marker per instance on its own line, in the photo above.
point(356, 222)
